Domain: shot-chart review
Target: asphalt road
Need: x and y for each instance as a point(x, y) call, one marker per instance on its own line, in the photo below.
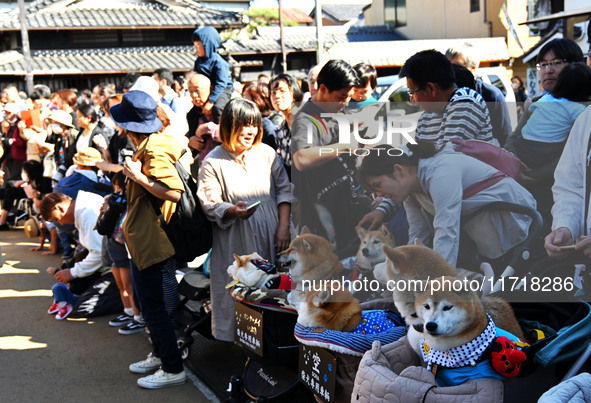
point(75, 360)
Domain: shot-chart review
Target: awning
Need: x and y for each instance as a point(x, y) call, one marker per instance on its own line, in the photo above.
point(557, 16)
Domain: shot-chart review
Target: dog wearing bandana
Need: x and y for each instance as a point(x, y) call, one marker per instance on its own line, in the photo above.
point(461, 340)
point(254, 271)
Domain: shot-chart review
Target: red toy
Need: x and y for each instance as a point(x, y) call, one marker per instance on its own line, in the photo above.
point(505, 358)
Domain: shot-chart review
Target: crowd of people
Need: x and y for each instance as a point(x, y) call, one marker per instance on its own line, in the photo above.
point(72, 155)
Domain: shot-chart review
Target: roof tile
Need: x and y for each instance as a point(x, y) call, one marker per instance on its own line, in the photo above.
point(117, 13)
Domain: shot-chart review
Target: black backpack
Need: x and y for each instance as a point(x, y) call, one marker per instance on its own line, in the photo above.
point(189, 231)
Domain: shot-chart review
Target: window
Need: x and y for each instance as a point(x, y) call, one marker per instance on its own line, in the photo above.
point(395, 12)
point(95, 39)
point(474, 6)
point(538, 9)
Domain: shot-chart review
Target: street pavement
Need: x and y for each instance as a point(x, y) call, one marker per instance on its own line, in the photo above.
point(74, 360)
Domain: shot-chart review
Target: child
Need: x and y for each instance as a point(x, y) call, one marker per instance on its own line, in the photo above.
point(48, 228)
point(546, 131)
point(114, 255)
point(368, 81)
point(213, 66)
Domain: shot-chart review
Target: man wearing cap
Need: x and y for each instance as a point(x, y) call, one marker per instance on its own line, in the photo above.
point(83, 177)
point(154, 181)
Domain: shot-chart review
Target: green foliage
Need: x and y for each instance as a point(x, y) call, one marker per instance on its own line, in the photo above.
point(264, 17)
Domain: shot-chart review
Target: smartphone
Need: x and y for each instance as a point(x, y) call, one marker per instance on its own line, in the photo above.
point(253, 205)
point(567, 247)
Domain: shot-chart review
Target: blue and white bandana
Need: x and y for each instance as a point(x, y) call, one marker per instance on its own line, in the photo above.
point(462, 356)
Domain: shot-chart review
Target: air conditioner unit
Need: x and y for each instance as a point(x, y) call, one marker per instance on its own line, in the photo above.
point(580, 31)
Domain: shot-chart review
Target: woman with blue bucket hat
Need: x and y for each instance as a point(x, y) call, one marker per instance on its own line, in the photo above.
point(153, 180)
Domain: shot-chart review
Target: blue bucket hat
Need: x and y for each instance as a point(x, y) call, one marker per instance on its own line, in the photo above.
point(136, 113)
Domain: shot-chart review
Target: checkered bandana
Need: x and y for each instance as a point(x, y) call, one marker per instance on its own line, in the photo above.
point(462, 356)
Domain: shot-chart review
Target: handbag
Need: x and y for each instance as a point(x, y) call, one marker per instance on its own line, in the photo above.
point(498, 158)
point(49, 166)
point(107, 221)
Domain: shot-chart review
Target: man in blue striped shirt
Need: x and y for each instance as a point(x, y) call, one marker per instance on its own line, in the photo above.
point(449, 111)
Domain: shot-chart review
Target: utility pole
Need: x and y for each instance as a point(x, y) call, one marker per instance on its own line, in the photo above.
point(319, 41)
point(282, 38)
point(26, 47)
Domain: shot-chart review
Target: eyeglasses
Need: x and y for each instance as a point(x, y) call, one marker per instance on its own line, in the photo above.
point(279, 91)
point(553, 63)
point(411, 93)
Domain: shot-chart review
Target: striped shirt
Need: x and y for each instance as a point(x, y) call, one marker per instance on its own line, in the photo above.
point(465, 116)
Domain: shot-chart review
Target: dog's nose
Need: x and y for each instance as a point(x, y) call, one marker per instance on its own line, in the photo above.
point(365, 252)
point(431, 326)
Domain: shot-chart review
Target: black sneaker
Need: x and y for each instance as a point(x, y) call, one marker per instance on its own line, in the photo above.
point(132, 327)
point(4, 227)
point(121, 320)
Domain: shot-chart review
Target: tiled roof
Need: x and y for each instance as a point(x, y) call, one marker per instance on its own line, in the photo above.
point(304, 38)
point(395, 53)
point(297, 15)
point(76, 14)
point(97, 61)
point(343, 12)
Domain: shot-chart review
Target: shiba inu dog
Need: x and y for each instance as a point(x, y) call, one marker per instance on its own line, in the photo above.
point(318, 293)
point(453, 318)
point(371, 250)
point(244, 270)
point(405, 270)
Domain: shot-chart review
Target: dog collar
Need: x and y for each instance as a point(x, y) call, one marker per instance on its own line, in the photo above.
point(462, 356)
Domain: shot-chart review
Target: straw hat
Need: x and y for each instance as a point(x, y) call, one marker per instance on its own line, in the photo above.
point(62, 117)
point(32, 227)
point(87, 156)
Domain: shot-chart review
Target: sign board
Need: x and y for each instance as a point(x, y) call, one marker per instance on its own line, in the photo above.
point(248, 328)
point(32, 118)
point(317, 371)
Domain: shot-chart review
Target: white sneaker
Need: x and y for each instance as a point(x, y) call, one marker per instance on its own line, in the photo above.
point(161, 379)
point(151, 363)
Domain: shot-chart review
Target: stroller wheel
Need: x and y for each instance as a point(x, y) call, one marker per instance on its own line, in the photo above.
point(184, 347)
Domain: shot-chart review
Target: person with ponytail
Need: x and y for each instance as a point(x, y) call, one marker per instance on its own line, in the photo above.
point(438, 188)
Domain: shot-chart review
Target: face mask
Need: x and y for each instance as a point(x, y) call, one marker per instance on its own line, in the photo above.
point(56, 128)
point(515, 86)
point(24, 176)
point(12, 120)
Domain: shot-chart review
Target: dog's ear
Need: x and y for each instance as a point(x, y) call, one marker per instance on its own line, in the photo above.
point(305, 230)
point(386, 231)
point(418, 242)
point(237, 259)
point(394, 256)
point(361, 232)
point(307, 244)
point(320, 298)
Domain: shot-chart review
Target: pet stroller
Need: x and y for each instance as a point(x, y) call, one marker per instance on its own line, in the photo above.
point(194, 311)
point(264, 327)
point(519, 258)
point(343, 350)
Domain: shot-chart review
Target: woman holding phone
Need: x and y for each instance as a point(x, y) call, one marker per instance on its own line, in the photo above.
point(234, 176)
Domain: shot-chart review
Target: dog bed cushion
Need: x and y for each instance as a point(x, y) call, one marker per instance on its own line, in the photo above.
point(376, 325)
point(263, 297)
